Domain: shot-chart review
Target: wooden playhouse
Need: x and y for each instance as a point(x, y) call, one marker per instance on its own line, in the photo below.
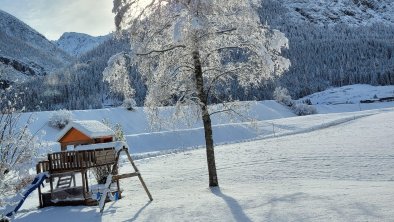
point(83, 133)
point(85, 145)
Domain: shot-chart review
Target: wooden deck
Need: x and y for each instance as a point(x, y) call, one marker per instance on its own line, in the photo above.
point(68, 197)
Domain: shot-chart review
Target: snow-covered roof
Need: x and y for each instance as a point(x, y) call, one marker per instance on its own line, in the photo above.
point(91, 128)
point(117, 145)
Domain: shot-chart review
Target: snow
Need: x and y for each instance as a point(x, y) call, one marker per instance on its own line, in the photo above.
point(25, 45)
point(91, 128)
point(117, 145)
point(20, 198)
point(77, 44)
point(266, 120)
point(338, 173)
point(350, 12)
point(347, 98)
point(350, 94)
point(136, 128)
point(333, 166)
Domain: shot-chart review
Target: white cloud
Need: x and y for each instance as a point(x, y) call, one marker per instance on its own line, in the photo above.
point(53, 18)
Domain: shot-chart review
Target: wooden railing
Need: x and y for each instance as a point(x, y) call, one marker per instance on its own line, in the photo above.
point(42, 166)
point(77, 160)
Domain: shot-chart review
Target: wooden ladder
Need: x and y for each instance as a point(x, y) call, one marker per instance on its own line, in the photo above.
point(65, 181)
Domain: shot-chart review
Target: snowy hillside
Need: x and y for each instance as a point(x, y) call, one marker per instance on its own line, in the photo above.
point(77, 44)
point(262, 120)
point(342, 172)
point(334, 43)
point(173, 134)
point(349, 12)
point(24, 51)
point(351, 94)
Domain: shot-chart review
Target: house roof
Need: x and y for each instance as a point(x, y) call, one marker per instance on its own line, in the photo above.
point(91, 128)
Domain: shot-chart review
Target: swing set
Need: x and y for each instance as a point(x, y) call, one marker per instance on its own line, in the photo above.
point(64, 166)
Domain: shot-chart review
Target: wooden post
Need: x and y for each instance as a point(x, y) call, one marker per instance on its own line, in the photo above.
point(50, 163)
point(87, 182)
point(139, 175)
point(83, 184)
point(40, 197)
point(118, 187)
point(51, 184)
point(73, 177)
point(118, 184)
point(38, 170)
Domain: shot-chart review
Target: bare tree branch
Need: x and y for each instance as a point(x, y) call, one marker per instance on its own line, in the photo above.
point(161, 50)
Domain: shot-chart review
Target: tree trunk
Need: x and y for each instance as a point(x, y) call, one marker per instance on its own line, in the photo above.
point(213, 179)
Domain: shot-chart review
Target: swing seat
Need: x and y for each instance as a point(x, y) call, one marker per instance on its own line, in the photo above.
point(114, 197)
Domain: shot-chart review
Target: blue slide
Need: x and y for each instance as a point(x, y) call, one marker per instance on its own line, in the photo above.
point(34, 185)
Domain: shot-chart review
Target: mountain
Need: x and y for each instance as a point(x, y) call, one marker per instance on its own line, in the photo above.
point(77, 44)
point(334, 43)
point(349, 12)
point(24, 52)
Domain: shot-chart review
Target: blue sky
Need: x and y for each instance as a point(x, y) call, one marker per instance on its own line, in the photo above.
point(54, 17)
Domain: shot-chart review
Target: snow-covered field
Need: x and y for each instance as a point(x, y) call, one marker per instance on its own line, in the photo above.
point(337, 165)
point(343, 172)
point(264, 119)
point(351, 94)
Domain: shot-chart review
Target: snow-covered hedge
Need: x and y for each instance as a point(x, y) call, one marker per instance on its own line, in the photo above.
point(60, 118)
point(302, 109)
point(129, 104)
point(282, 96)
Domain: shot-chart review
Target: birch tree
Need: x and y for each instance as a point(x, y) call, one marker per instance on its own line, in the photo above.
point(116, 75)
point(185, 49)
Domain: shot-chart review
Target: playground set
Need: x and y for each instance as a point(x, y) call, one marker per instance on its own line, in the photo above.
point(93, 148)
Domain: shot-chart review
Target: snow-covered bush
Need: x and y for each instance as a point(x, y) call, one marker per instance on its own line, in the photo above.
point(302, 109)
point(281, 95)
point(129, 104)
point(117, 128)
point(101, 173)
point(60, 118)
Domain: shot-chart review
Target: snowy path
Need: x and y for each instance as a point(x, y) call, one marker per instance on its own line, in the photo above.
point(341, 173)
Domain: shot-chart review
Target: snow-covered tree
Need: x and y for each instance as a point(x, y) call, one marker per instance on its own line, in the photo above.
point(302, 109)
point(18, 149)
point(186, 51)
point(117, 76)
point(129, 104)
point(281, 95)
point(60, 118)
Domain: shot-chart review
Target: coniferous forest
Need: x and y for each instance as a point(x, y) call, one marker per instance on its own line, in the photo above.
point(323, 53)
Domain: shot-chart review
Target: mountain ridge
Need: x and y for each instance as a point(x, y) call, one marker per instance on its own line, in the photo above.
point(20, 44)
point(77, 44)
